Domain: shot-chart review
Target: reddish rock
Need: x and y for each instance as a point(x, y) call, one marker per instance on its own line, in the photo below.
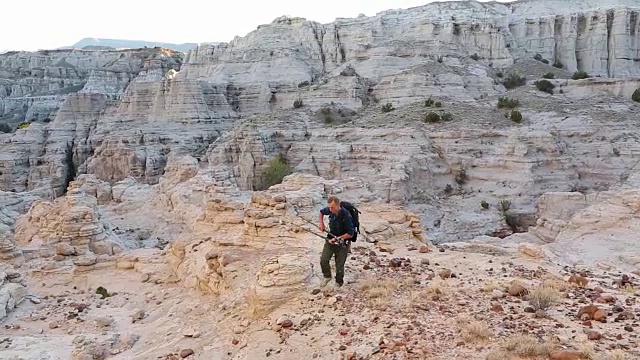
point(186, 352)
point(599, 315)
point(344, 331)
point(424, 249)
point(579, 280)
point(235, 341)
point(586, 323)
point(594, 335)
point(497, 308)
point(565, 355)
point(517, 290)
point(588, 310)
point(598, 289)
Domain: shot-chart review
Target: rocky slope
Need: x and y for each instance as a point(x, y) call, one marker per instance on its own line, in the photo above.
point(137, 220)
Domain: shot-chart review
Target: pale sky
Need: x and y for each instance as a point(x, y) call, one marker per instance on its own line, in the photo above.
point(48, 24)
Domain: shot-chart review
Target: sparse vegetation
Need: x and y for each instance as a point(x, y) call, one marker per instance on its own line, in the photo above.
point(429, 102)
point(461, 176)
point(500, 74)
point(276, 170)
point(513, 81)
point(475, 57)
point(505, 102)
point(447, 116)
point(543, 297)
point(539, 58)
point(473, 331)
point(438, 104)
point(24, 125)
point(378, 291)
point(388, 107)
point(545, 85)
point(578, 75)
point(448, 189)
point(636, 95)
point(298, 104)
point(326, 114)
point(549, 75)
point(516, 116)
point(557, 64)
point(432, 117)
point(484, 204)
point(523, 346)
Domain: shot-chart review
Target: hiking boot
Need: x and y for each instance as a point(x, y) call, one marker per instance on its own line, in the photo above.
point(324, 282)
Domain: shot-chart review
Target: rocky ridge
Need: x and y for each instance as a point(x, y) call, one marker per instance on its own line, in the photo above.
point(156, 174)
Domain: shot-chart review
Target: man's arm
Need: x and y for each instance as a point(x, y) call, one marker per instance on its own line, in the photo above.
point(323, 212)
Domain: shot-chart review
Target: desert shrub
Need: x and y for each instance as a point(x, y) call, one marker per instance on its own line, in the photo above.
point(5, 128)
point(327, 115)
point(580, 75)
point(298, 104)
point(499, 74)
point(432, 117)
point(276, 170)
point(549, 75)
point(505, 102)
point(513, 81)
point(516, 116)
point(545, 85)
point(484, 204)
point(437, 104)
point(388, 107)
point(24, 125)
point(475, 57)
point(557, 64)
point(461, 176)
point(543, 297)
point(429, 102)
point(636, 95)
point(448, 189)
point(446, 116)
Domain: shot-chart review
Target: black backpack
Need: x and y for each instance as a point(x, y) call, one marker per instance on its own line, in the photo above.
point(354, 216)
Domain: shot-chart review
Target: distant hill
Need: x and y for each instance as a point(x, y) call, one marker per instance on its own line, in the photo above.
point(93, 43)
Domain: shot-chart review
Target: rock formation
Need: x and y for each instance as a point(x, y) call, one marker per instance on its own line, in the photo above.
point(162, 193)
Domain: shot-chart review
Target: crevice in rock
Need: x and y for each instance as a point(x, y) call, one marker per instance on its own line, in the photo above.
point(580, 31)
point(70, 167)
point(319, 36)
point(315, 165)
point(633, 19)
point(610, 47)
point(340, 46)
point(557, 34)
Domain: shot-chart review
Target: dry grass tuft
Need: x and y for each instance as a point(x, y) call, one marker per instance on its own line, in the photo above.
point(378, 291)
point(490, 285)
point(436, 289)
point(473, 331)
point(523, 347)
point(587, 351)
point(543, 297)
point(616, 354)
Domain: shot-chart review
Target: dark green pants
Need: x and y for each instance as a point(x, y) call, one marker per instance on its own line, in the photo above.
point(341, 253)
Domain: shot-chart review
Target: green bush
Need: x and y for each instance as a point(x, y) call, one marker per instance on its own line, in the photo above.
point(432, 117)
point(505, 102)
point(388, 107)
point(636, 95)
point(545, 85)
point(558, 65)
point(484, 204)
point(429, 102)
point(438, 104)
point(276, 170)
point(578, 75)
point(516, 116)
point(24, 125)
point(549, 75)
point(446, 116)
point(513, 81)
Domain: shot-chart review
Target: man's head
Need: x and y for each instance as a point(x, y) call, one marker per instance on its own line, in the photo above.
point(334, 204)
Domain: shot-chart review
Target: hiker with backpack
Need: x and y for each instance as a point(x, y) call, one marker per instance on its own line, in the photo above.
point(342, 231)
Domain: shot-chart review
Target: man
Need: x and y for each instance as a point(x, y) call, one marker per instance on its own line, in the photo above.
point(340, 231)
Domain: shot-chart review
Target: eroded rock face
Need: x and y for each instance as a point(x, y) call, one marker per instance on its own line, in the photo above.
point(68, 226)
point(12, 290)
